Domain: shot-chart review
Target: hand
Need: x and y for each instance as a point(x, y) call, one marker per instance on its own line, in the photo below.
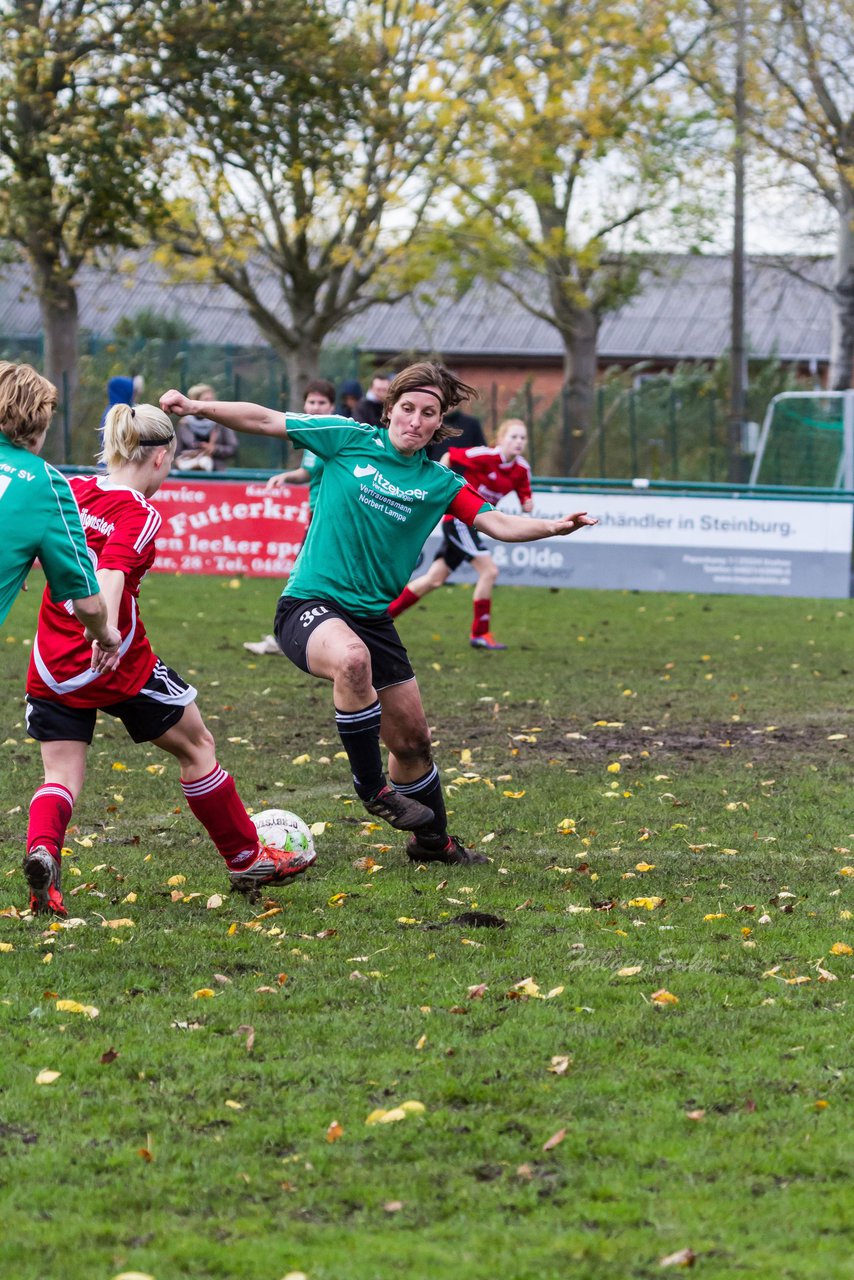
point(105, 652)
point(279, 481)
point(176, 402)
point(570, 524)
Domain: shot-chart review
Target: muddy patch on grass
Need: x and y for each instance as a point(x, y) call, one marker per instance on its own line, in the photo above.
point(687, 742)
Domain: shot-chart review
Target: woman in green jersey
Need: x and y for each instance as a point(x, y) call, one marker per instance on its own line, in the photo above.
point(381, 496)
point(38, 514)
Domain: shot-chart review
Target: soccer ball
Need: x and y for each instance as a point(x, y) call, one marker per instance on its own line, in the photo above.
point(283, 829)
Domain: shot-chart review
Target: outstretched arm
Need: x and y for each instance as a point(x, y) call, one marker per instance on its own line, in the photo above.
point(240, 415)
point(509, 528)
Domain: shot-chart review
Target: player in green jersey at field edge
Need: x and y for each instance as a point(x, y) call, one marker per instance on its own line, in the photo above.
point(38, 515)
point(380, 498)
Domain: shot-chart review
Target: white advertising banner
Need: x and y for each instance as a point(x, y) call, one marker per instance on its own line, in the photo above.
point(654, 542)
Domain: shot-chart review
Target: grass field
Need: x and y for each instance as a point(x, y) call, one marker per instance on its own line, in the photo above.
point(652, 1055)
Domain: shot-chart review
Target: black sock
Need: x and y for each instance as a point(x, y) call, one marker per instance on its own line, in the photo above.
point(429, 791)
point(360, 733)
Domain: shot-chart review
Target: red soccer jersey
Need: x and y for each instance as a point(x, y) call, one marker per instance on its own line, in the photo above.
point(487, 472)
point(120, 527)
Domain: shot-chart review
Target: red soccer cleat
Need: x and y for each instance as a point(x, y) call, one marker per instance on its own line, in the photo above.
point(43, 876)
point(486, 641)
point(271, 866)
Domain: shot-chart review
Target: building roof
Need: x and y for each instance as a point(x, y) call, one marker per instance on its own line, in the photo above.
point(681, 312)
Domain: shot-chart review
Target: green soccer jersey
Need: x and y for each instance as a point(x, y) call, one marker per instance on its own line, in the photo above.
point(374, 512)
point(314, 467)
point(39, 519)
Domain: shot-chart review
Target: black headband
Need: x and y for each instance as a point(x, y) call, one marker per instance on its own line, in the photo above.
point(165, 440)
point(428, 391)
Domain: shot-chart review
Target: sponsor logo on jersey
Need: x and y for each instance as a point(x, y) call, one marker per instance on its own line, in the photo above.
point(382, 485)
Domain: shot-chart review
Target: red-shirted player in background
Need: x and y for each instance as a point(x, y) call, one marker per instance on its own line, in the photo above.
point(493, 472)
point(155, 705)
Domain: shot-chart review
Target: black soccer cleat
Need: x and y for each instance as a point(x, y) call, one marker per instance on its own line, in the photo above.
point(447, 849)
point(398, 810)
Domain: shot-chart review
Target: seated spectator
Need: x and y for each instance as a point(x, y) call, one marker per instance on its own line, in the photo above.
point(204, 445)
point(370, 407)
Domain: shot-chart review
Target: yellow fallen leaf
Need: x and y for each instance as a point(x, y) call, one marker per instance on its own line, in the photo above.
point(86, 842)
point(486, 839)
point(123, 923)
point(796, 982)
point(214, 901)
point(845, 871)
point(6, 946)
point(420, 1043)
point(118, 766)
point(407, 920)
point(715, 915)
point(662, 997)
point(155, 769)
point(841, 949)
point(614, 767)
point(514, 795)
point(555, 991)
point(527, 987)
point(649, 904)
point(560, 1064)
point(376, 1116)
point(174, 880)
point(129, 897)
point(47, 958)
point(204, 993)
point(47, 1077)
point(303, 759)
point(318, 828)
point(465, 756)
point(629, 971)
point(391, 1117)
point(232, 929)
point(413, 1107)
point(133, 1275)
point(235, 1106)
point(644, 866)
point(74, 1006)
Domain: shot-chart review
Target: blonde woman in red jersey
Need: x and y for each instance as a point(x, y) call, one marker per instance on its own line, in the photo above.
point(153, 702)
point(493, 471)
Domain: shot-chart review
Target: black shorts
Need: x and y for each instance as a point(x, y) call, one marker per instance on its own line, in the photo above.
point(159, 704)
point(459, 544)
point(297, 619)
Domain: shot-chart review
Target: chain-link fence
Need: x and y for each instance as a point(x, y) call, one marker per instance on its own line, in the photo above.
point(661, 426)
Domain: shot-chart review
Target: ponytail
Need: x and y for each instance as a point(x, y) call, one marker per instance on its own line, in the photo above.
point(130, 431)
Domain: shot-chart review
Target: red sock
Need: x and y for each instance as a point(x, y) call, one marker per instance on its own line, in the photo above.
point(480, 621)
point(405, 600)
point(215, 802)
point(50, 813)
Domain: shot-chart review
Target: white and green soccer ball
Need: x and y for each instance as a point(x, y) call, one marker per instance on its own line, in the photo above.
point(284, 830)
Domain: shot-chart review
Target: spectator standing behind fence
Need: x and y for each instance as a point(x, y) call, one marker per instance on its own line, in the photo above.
point(349, 395)
point(204, 445)
point(319, 400)
point(493, 473)
point(370, 408)
point(470, 434)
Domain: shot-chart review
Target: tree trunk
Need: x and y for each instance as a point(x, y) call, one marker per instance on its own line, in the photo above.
point(842, 326)
point(579, 369)
point(303, 366)
point(61, 327)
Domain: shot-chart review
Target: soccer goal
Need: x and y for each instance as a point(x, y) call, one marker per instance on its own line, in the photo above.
point(807, 440)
